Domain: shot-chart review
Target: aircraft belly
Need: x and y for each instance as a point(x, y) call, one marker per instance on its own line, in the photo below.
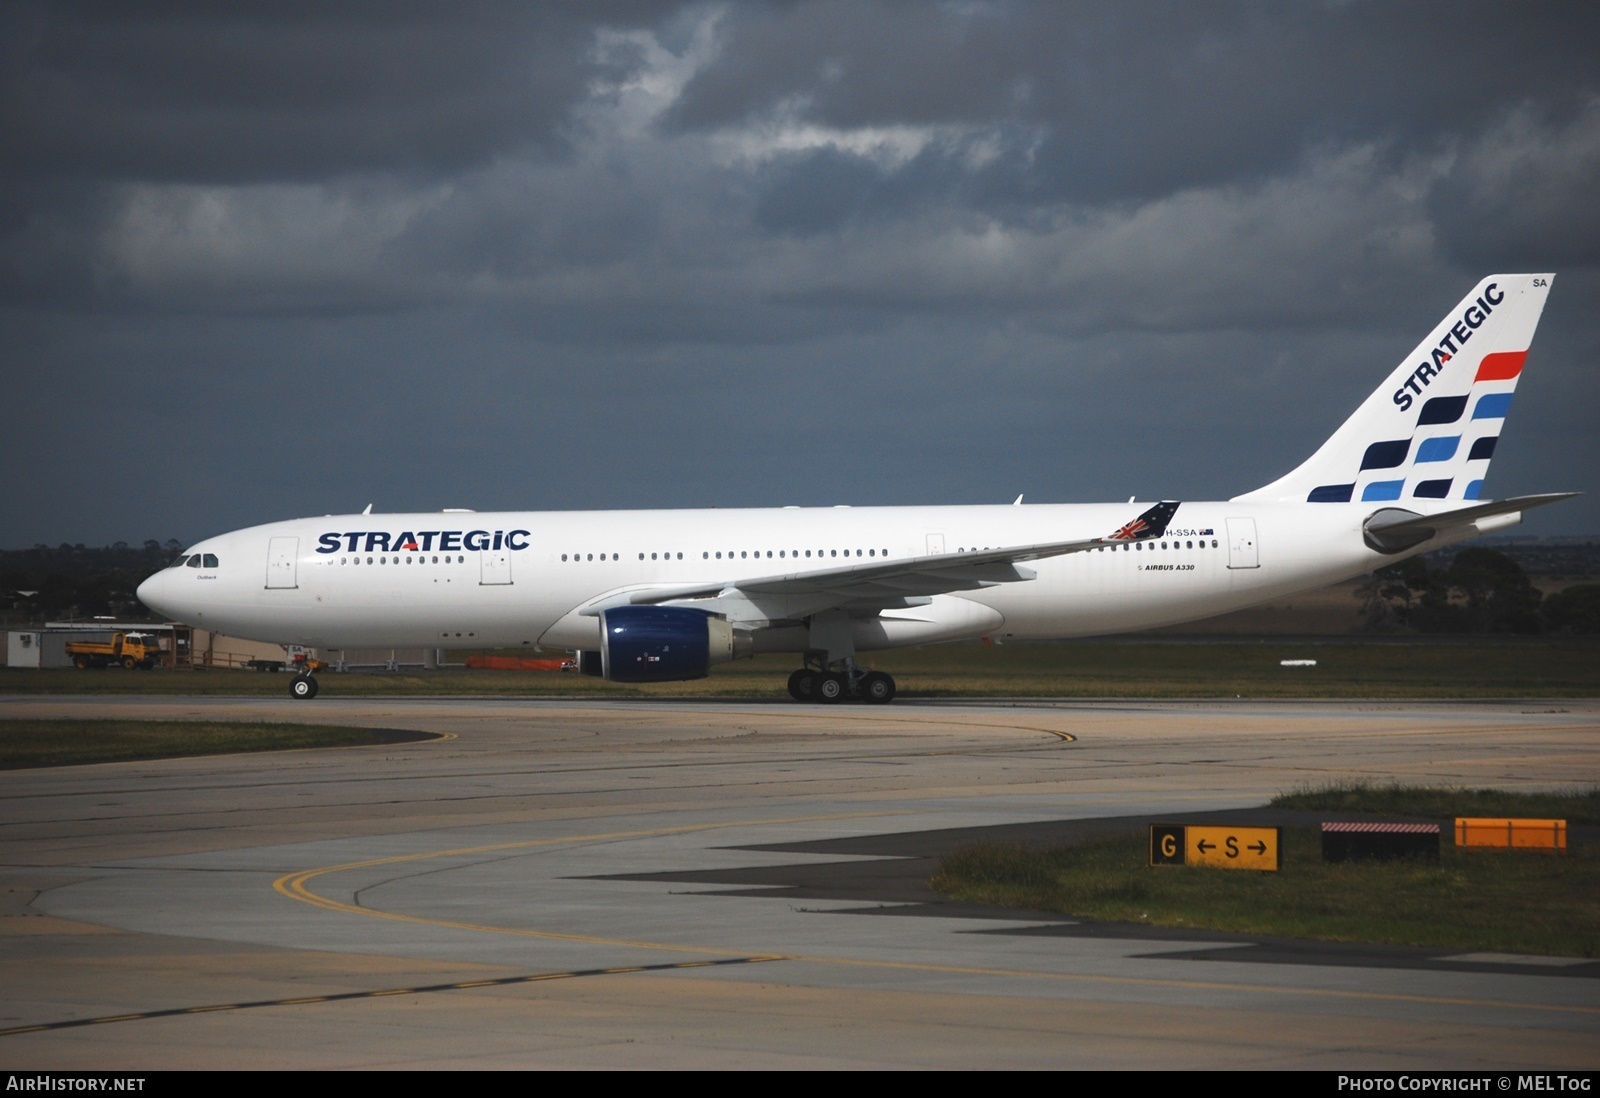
point(347, 611)
point(1122, 590)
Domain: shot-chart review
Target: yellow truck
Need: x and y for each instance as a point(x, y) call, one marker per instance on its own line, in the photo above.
point(131, 650)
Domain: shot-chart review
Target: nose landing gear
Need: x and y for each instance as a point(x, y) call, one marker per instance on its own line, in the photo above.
point(303, 687)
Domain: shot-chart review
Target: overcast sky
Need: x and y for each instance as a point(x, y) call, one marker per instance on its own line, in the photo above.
point(270, 260)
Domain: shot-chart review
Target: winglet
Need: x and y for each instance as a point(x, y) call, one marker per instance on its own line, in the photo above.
point(1151, 524)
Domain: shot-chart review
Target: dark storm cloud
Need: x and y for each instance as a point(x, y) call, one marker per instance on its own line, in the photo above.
point(286, 91)
point(97, 98)
point(502, 254)
point(1525, 194)
point(819, 191)
point(1136, 101)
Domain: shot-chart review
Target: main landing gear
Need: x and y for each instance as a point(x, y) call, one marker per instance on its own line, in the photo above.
point(830, 673)
point(818, 684)
point(303, 687)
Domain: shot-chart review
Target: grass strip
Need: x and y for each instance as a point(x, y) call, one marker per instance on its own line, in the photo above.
point(1490, 669)
point(1477, 901)
point(1579, 807)
point(33, 743)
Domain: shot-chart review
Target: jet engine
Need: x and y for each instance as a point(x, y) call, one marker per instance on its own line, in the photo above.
point(664, 644)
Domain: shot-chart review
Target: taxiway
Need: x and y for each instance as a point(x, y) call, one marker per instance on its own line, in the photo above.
point(665, 884)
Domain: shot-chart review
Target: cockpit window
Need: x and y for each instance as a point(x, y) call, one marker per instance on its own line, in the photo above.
point(211, 560)
point(180, 562)
point(194, 561)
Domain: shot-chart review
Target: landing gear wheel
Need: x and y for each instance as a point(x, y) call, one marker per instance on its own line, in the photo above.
point(303, 687)
point(803, 685)
point(877, 688)
point(830, 687)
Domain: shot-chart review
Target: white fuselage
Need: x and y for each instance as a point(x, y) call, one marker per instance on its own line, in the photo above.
point(514, 579)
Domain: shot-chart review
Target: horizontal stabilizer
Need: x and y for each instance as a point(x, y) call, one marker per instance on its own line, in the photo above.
point(1394, 529)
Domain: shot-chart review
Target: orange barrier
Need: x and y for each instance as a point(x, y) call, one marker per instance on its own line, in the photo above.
point(1547, 836)
point(516, 663)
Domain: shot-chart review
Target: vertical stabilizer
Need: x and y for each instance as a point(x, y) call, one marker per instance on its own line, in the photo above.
point(1429, 430)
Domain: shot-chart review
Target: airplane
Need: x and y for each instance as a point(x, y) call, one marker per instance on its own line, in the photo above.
point(658, 596)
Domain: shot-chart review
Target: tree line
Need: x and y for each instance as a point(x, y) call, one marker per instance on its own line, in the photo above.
point(77, 581)
point(1478, 590)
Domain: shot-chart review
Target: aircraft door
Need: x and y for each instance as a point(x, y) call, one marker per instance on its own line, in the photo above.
point(282, 555)
point(935, 545)
point(494, 566)
point(1242, 543)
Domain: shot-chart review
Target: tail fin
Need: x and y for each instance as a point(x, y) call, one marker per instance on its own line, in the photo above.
point(1429, 430)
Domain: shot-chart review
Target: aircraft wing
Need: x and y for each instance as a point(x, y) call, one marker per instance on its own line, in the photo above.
point(928, 575)
point(868, 587)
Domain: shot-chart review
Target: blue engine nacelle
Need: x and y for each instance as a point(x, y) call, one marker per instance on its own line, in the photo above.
point(665, 643)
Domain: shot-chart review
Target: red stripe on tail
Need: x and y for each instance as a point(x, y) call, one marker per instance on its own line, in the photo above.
point(1501, 367)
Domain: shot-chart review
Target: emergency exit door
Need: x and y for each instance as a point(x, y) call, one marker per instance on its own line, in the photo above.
point(1242, 552)
point(282, 554)
point(494, 566)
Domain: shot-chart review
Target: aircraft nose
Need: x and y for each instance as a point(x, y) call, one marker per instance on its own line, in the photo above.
point(149, 592)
